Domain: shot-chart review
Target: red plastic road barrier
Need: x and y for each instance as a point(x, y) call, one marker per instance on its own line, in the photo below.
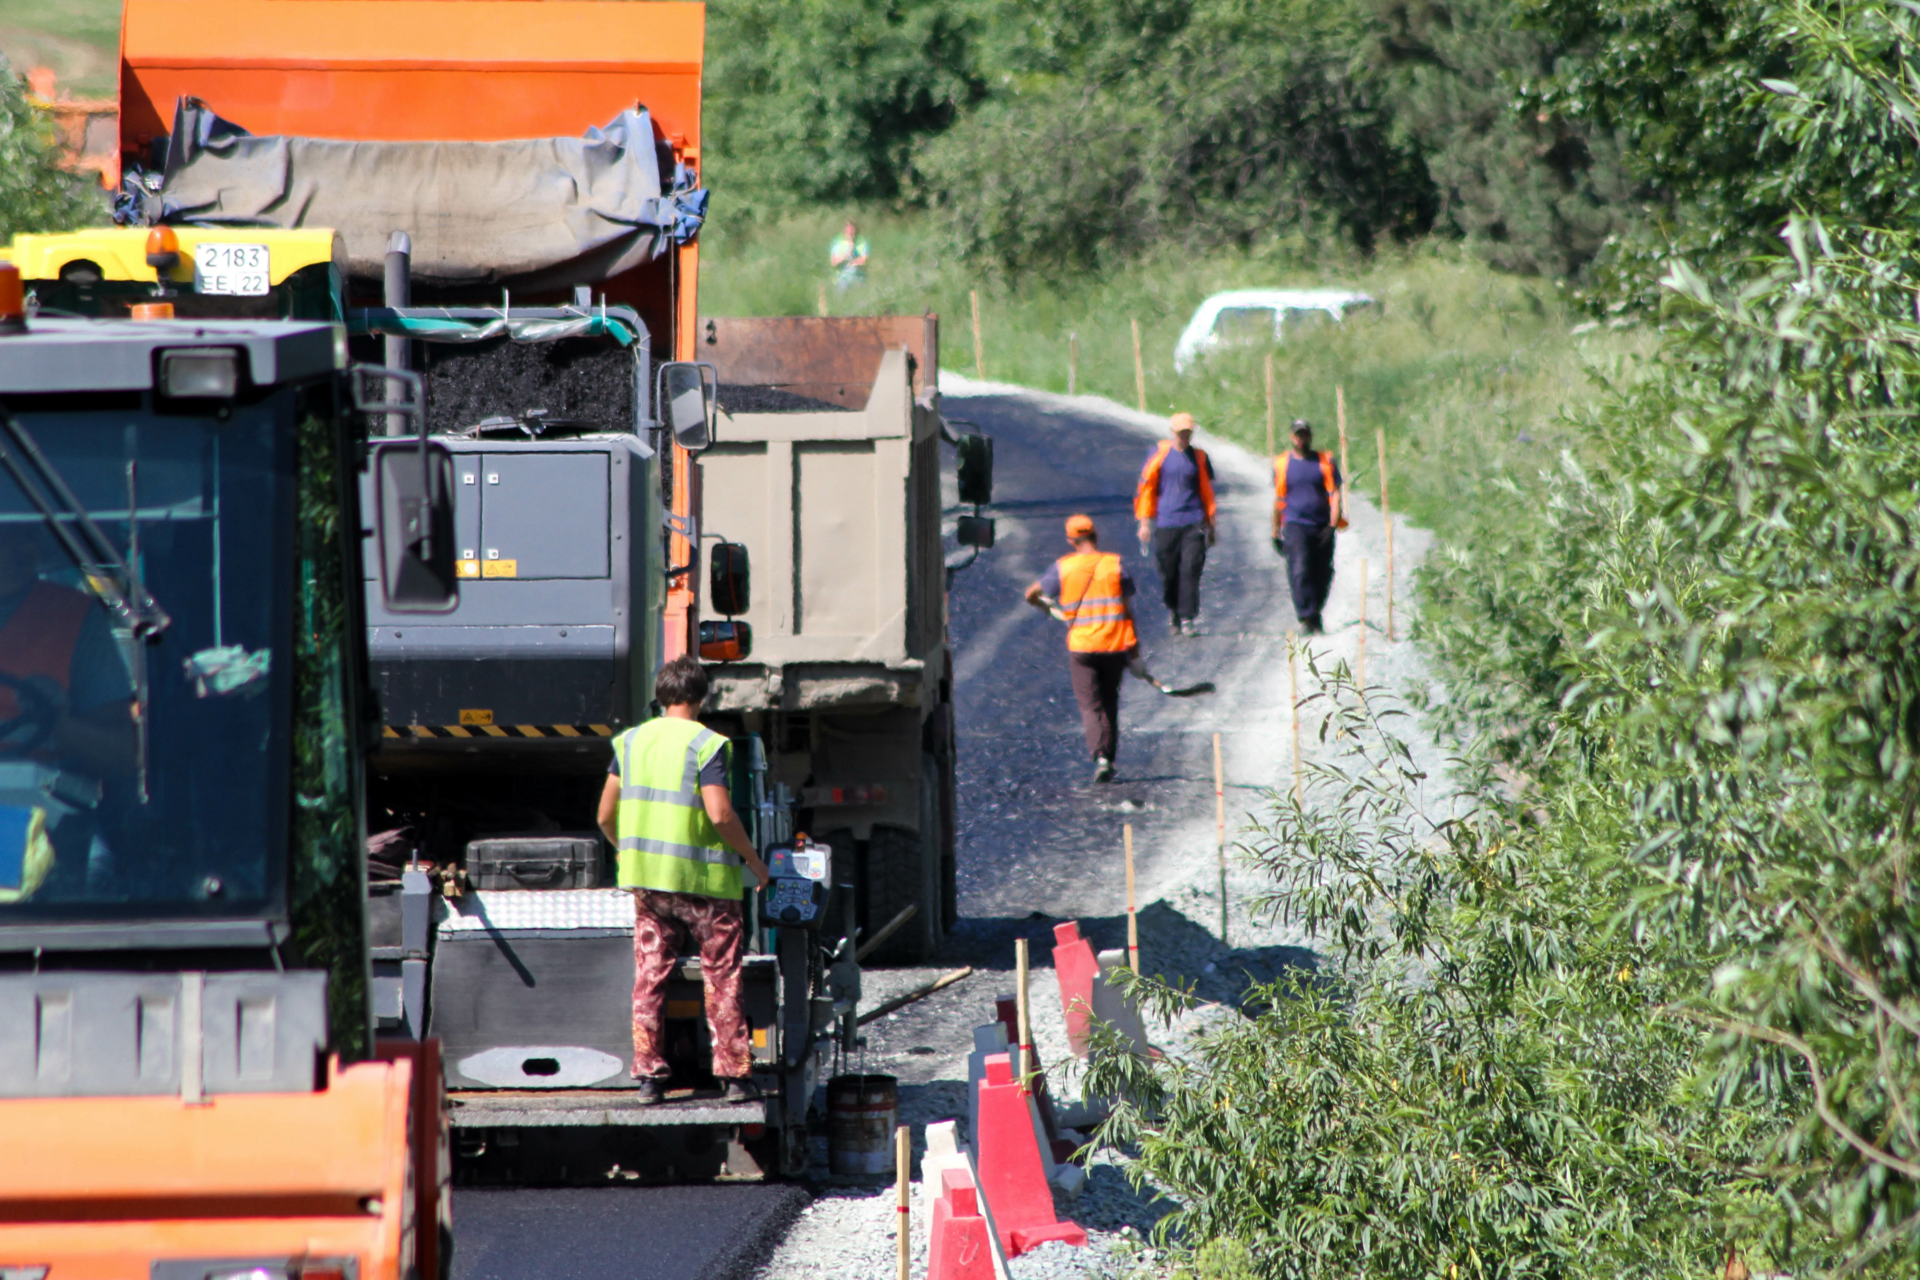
point(958, 1247)
point(1012, 1175)
point(1007, 1011)
point(1077, 969)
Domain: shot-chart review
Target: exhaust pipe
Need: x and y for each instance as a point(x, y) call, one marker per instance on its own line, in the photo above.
point(398, 294)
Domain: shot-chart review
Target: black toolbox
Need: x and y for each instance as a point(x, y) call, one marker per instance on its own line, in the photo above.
point(563, 860)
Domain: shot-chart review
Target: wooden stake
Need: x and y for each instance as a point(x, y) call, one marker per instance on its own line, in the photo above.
point(823, 297)
point(1220, 830)
point(979, 352)
point(902, 1166)
point(1073, 360)
point(1293, 698)
point(1270, 454)
point(1133, 920)
point(1340, 410)
point(1360, 645)
point(1023, 1024)
point(1386, 514)
point(1139, 370)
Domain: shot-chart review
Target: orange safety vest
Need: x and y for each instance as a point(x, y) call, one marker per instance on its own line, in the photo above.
point(1280, 483)
point(39, 639)
point(1146, 499)
point(1097, 620)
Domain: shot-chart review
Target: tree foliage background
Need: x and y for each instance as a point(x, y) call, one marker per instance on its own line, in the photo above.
point(1073, 136)
point(35, 193)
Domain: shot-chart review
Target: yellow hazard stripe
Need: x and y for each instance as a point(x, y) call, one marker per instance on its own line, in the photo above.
point(419, 731)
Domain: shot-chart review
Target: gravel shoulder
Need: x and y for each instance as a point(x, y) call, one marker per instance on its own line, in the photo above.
point(1040, 843)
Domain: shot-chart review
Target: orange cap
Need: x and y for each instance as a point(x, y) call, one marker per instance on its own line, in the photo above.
point(1181, 422)
point(1080, 526)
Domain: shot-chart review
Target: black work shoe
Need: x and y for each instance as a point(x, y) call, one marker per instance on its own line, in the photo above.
point(1102, 769)
point(648, 1091)
point(741, 1091)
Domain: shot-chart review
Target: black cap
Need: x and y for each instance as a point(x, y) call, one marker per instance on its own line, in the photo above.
point(1301, 424)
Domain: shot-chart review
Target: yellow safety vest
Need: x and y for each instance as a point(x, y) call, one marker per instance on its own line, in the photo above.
point(667, 842)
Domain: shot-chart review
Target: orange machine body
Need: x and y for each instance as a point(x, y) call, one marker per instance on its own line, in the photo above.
point(452, 70)
point(100, 1188)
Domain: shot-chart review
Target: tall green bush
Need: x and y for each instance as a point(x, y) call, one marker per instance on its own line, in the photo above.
point(1481, 1082)
point(824, 101)
point(1532, 190)
point(1719, 632)
point(1741, 115)
point(35, 193)
point(1121, 125)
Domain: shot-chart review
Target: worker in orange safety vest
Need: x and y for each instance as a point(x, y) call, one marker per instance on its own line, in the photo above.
point(1091, 591)
point(1308, 505)
point(1175, 507)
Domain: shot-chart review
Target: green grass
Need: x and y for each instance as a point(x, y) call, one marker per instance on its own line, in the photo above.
point(1465, 369)
point(79, 39)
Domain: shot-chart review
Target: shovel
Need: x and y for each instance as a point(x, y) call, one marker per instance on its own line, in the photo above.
point(1138, 665)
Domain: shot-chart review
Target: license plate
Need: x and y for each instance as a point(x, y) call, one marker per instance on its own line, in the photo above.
point(232, 269)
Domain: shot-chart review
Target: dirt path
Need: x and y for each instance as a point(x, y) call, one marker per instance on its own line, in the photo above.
point(1039, 842)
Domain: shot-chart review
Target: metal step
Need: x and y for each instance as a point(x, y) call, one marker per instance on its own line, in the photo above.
point(493, 1108)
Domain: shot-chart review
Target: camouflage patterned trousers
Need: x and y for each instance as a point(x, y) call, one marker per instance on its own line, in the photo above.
point(717, 927)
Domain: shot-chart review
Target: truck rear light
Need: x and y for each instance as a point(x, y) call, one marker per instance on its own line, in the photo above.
point(859, 794)
point(13, 318)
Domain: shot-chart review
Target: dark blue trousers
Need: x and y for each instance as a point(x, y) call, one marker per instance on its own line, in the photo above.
point(1309, 550)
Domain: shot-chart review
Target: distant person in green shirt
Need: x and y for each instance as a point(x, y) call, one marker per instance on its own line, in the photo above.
point(849, 257)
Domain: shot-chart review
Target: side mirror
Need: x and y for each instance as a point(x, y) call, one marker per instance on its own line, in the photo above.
point(974, 468)
point(412, 500)
point(687, 394)
point(729, 641)
point(976, 532)
point(413, 522)
point(728, 579)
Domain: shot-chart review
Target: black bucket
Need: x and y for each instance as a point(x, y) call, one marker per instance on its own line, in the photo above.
point(861, 1114)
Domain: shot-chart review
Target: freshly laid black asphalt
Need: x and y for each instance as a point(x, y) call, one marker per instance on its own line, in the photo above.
point(618, 1233)
point(1036, 838)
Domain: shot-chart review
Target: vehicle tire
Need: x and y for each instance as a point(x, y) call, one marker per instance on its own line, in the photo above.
point(903, 867)
point(948, 827)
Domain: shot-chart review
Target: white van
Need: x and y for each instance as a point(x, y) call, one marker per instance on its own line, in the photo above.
point(1258, 317)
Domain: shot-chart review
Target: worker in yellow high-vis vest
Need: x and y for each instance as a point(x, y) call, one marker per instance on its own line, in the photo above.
point(668, 811)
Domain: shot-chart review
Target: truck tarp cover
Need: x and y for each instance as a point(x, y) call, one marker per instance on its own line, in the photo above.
point(537, 212)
